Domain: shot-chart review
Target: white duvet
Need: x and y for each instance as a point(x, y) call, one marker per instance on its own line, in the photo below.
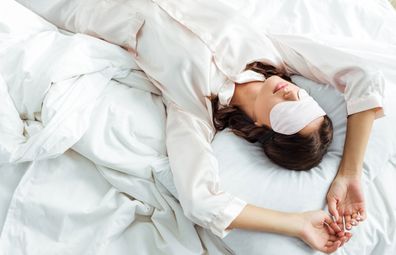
point(81, 140)
point(83, 166)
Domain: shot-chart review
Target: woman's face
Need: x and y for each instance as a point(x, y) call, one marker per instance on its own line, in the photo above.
point(276, 90)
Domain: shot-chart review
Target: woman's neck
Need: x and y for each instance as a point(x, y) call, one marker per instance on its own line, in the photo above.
point(245, 95)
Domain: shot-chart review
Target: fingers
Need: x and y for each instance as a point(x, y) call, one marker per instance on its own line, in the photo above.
point(343, 240)
point(362, 215)
point(330, 229)
point(341, 226)
point(348, 236)
point(338, 230)
point(354, 220)
point(333, 238)
point(333, 227)
point(332, 204)
point(337, 236)
point(336, 240)
point(348, 220)
point(329, 243)
point(332, 247)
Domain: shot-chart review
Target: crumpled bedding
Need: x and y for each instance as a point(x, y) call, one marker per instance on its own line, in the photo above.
point(81, 143)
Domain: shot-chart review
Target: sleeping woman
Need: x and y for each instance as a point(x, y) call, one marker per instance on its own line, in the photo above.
point(196, 66)
point(215, 70)
point(199, 59)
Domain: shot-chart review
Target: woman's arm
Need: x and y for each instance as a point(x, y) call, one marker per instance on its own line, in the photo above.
point(195, 172)
point(315, 228)
point(113, 21)
point(362, 82)
point(345, 196)
point(358, 132)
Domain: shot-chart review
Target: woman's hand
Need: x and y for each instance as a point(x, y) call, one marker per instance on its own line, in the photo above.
point(318, 231)
point(315, 228)
point(345, 199)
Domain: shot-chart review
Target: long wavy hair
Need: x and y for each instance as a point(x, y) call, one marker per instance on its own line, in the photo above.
point(296, 151)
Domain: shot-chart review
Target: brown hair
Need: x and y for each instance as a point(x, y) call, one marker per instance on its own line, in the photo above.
point(297, 151)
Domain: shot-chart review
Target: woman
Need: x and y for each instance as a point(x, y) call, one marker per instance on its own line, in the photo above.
point(189, 66)
point(203, 55)
point(192, 50)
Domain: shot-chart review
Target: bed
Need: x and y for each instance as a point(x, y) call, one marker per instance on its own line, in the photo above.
point(83, 166)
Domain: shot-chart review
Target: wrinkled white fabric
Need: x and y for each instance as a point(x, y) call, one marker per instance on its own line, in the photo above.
point(58, 61)
point(56, 93)
point(193, 49)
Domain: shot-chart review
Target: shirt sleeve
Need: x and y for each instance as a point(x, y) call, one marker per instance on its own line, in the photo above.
point(195, 172)
point(112, 20)
point(339, 63)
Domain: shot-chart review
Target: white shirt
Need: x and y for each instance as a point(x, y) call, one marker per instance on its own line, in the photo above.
point(194, 49)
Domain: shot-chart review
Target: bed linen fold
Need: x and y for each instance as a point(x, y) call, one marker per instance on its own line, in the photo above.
point(65, 192)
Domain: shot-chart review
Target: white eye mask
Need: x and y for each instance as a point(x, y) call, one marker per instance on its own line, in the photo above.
point(290, 117)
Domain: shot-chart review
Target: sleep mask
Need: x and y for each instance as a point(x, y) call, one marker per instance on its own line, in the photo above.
point(291, 116)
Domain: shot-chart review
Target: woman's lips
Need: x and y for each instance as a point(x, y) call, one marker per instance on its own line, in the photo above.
point(279, 86)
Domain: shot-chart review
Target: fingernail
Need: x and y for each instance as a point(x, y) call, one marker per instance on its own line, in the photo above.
point(353, 223)
point(358, 218)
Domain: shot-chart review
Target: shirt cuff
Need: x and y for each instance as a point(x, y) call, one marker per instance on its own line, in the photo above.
point(226, 216)
point(367, 103)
